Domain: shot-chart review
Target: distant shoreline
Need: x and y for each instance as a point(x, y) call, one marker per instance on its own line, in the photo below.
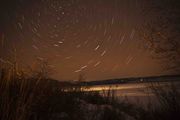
point(165, 78)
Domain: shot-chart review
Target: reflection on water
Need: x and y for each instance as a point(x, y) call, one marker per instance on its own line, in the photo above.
point(137, 93)
point(130, 89)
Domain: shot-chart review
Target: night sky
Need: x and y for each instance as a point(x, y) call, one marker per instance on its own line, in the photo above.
point(97, 38)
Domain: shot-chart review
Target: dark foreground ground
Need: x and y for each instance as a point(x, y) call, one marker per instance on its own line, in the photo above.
point(35, 97)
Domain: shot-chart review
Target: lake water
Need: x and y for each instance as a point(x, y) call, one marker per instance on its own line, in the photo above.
point(134, 92)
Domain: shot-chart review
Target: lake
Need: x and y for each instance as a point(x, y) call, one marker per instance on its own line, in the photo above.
point(134, 92)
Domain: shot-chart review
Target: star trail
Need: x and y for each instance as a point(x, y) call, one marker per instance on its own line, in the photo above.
point(98, 38)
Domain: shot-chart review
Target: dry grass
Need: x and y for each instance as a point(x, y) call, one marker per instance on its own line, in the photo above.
point(25, 96)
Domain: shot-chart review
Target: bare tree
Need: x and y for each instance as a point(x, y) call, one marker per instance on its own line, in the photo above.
point(161, 32)
point(42, 68)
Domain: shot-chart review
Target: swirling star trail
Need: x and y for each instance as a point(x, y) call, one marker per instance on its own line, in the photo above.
point(95, 37)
